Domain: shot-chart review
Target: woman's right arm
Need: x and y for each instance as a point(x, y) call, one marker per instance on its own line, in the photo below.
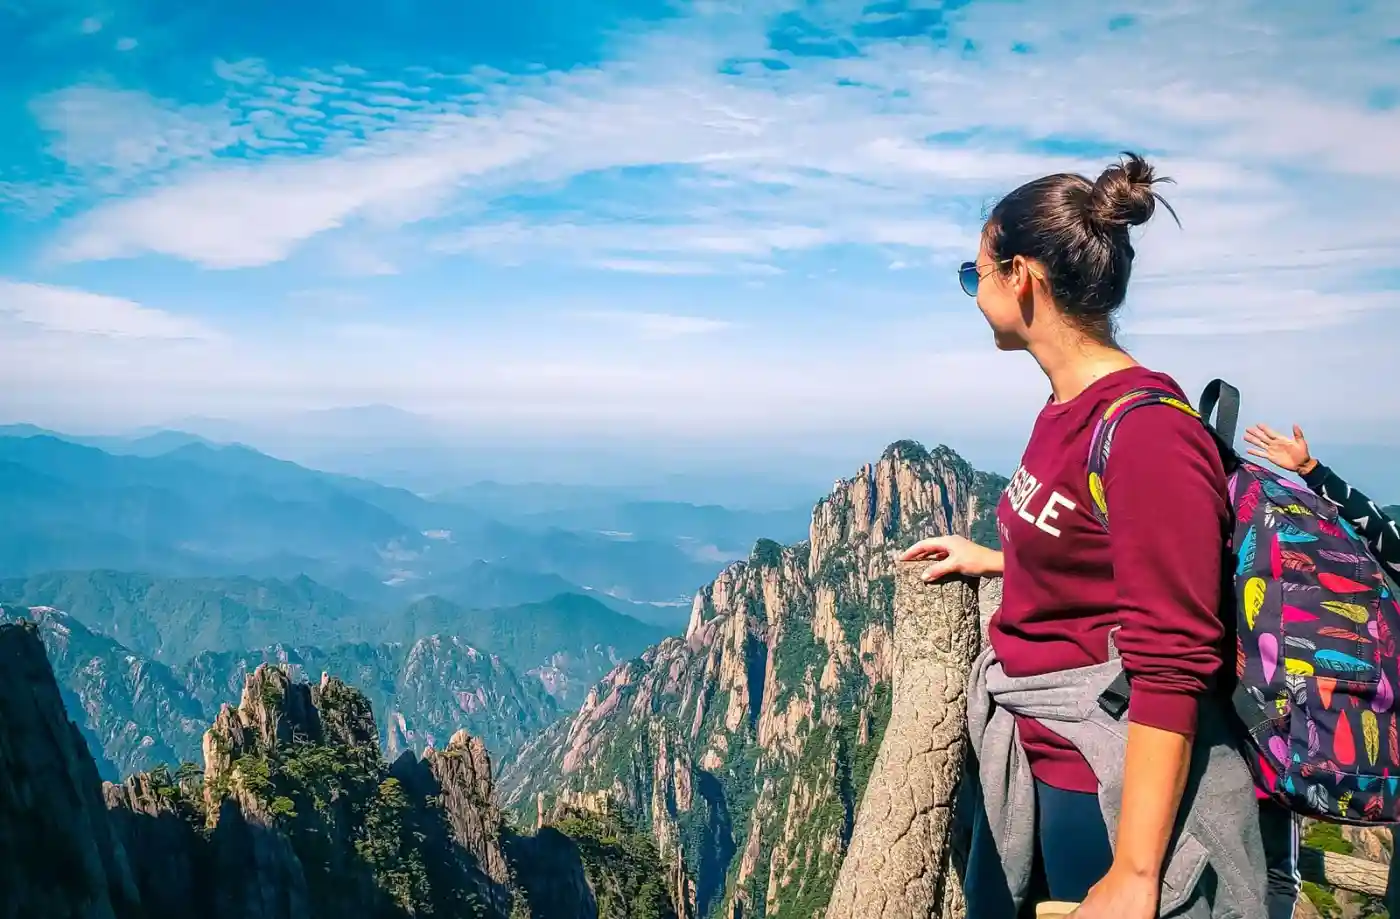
point(955, 555)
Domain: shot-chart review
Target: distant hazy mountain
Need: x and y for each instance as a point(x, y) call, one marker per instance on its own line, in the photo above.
point(152, 443)
point(204, 510)
point(731, 532)
point(70, 506)
point(427, 455)
point(173, 619)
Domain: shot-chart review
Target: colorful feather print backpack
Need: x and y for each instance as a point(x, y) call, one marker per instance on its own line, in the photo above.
point(1315, 624)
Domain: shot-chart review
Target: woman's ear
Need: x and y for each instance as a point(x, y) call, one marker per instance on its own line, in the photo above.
point(1023, 275)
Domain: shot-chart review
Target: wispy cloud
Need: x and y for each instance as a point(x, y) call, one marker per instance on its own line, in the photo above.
point(59, 309)
point(896, 144)
point(654, 325)
point(648, 266)
point(112, 138)
point(1239, 308)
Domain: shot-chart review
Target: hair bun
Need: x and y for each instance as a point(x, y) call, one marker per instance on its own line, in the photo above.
point(1123, 195)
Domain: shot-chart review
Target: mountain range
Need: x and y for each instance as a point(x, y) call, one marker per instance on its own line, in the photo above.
point(173, 619)
point(729, 760)
point(290, 812)
point(204, 510)
point(714, 774)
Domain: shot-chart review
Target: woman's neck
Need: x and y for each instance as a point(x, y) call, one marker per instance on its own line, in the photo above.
point(1073, 363)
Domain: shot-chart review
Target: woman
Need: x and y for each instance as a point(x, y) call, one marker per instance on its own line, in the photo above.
point(1383, 536)
point(1080, 606)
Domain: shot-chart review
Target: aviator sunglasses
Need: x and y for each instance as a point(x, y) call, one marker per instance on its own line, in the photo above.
point(969, 276)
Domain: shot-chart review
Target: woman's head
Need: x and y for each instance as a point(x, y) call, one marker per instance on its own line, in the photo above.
point(1055, 253)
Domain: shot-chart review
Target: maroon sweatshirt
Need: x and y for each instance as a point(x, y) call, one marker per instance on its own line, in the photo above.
point(1158, 575)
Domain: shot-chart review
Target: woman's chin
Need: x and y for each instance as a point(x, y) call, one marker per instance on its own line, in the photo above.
point(1007, 341)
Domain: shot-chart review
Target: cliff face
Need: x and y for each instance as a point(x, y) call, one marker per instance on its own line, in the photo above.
point(59, 855)
point(744, 746)
point(134, 712)
point(466, 821)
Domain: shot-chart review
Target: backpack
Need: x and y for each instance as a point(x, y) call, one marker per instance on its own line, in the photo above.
point(1315, 625)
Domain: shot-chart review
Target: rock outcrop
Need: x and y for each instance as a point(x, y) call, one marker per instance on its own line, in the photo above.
point(159, 819)
point(744, 746)
point(466, 819)
point(900, 863)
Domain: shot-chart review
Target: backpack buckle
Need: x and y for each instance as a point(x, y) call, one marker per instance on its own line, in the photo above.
point(1114, 699)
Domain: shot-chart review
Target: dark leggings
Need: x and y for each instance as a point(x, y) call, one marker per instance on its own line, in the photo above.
point(1072, 853)
point(1280, 831)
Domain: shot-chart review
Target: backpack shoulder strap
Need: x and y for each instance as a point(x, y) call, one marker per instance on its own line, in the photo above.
point(1223, 401)
point(1102, 440)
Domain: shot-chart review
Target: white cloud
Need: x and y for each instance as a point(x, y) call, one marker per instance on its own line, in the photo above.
point(60, 309)
point(115, 136)
point(654, 325)
point(895, 148)
point(647, 266)
point(1239, 308)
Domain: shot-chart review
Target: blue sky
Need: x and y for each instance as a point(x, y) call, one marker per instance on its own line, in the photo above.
point(652, 219)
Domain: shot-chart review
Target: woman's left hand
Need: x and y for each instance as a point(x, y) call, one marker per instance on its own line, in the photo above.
point(1120, 895)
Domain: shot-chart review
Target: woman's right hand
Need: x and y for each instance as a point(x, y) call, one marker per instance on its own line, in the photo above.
point(954, 555)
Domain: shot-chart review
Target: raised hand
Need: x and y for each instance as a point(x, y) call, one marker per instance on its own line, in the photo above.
point(1289, 453)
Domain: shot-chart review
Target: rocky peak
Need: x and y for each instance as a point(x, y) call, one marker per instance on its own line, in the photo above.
point(344, 715)
point(458, 781)
point(743, 747)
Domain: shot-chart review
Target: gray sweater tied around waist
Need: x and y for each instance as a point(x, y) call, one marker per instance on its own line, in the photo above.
point(1216, 867)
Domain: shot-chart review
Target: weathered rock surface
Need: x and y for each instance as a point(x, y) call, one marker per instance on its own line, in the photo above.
point(157, 823)
point(59, 855)
point(900, 861)
point(466, 819)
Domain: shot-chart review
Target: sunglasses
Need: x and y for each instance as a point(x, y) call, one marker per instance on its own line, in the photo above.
point(969, 276)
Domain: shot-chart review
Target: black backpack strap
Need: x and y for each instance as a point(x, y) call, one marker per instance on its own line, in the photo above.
point(1223, 401)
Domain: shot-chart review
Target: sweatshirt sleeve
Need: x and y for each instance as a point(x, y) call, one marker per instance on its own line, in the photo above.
point(1168, 516)
point(1375, 526)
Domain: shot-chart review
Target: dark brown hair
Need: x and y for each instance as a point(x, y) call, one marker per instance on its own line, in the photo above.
point(1078, 230)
